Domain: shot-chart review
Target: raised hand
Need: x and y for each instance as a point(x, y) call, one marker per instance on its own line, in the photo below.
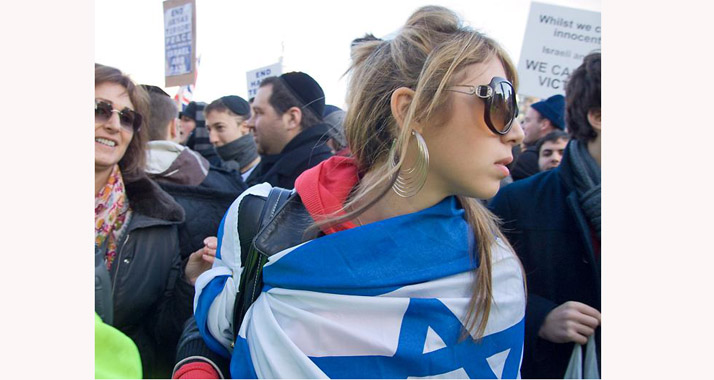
point(201, 260)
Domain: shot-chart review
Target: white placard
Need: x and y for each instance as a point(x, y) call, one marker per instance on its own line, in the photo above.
point(179, 42)
point(254, 77)
point(556, 41)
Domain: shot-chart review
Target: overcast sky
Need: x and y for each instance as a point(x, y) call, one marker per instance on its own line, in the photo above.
point(311, 36)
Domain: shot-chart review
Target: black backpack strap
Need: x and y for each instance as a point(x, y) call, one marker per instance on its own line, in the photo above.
point(250, 214)
point(254, 213)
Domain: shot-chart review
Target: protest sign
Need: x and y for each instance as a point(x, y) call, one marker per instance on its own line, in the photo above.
point(254, 77)
point(180, 42)
point(556, 41)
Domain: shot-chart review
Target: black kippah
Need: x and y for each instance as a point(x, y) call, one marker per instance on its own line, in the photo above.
point(306, 90)
point(237, 105)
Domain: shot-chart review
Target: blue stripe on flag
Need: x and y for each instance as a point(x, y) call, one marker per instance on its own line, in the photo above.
point(205, 300)
point(220, 235)
point(241, 364)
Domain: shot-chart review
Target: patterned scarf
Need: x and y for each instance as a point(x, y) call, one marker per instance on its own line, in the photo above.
point(111, 211)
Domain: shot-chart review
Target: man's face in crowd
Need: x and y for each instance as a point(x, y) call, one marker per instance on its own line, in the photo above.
point(269, 128)
point(531, 125)
point(186, 126)
point(551, 153)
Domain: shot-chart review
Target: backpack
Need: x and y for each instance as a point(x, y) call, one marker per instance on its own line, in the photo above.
point(266, 226)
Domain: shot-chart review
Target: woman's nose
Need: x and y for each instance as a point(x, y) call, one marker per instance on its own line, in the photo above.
point(515, 135)
point(113, 122)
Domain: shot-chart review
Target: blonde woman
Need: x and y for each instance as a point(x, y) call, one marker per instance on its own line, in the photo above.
point(410, 276)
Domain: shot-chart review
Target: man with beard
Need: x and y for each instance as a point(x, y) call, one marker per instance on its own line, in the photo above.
point(288, 128)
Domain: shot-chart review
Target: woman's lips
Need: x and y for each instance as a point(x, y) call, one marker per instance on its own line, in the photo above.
point(503, 170)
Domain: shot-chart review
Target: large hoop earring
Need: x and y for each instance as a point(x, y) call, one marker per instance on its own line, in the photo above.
point(410, 181)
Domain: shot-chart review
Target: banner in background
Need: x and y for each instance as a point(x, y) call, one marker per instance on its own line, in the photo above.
point(556, 41)
point(254, 77)
point(180, 42)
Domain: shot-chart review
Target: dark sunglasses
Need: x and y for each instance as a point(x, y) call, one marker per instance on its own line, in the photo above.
point(500, 99)
point(128, 119)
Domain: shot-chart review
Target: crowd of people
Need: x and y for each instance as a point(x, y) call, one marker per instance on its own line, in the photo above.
point(427, 230)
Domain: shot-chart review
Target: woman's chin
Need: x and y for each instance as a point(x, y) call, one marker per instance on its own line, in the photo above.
point(104, 163)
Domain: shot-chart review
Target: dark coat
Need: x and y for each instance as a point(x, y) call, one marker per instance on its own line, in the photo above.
point(151, 298)
point(213, 158)
point(204, 207)
point(550, 233)
point(224, 180)
point(526, 164)
point(304, 151)
point(204, 196)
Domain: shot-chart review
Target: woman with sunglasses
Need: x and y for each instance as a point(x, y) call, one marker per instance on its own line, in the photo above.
point(141, 288)
point(410, 275)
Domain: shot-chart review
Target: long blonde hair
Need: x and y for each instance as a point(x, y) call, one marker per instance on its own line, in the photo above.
point(428, 51)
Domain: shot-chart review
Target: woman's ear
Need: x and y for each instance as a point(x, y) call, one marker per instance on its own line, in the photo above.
point(399, 102)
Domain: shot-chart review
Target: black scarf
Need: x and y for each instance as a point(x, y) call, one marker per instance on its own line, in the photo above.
point(586, 174)
point(242, 150)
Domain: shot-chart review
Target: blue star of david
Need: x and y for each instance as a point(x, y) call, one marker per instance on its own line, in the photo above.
point(409, 360)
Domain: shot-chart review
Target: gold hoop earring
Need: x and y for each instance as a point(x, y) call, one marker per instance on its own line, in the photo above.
point(411, 180)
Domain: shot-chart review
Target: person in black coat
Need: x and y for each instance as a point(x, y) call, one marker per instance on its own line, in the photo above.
point(204, 191)
point(288, 128)
point(552, 219)
point(143, 289)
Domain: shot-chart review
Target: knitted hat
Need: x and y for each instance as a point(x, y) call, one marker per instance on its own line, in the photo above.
point(552, 109)
point(194, 110)
point(237, 105)
point(306, 90)
point(198, 140)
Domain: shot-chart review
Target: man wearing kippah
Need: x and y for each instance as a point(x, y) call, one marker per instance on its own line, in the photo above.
point(541, 118)
point(288, 128)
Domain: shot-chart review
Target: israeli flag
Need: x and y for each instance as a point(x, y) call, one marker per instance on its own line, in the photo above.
point(385, 300)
